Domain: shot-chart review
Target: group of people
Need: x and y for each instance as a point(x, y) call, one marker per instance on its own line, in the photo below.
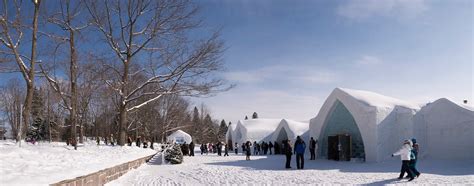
point(409, 156)
point(286, 148)
point(187, 149)
point(138, 141)
point(215, 148)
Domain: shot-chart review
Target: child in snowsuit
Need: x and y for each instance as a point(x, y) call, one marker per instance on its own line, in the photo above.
point(405, 153)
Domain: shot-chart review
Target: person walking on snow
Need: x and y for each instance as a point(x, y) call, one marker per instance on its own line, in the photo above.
point(312, 148)
point(247, 150)
point(287, 150)
point(414, 158)
point(236, 148)
point(254, 148)
point(300, 147)
point(191, 148)
point(404, 154)
point(270, 146)
point(226, 150)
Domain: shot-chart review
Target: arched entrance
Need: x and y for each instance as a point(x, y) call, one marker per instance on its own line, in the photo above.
point(340, 135)
point(282, 135)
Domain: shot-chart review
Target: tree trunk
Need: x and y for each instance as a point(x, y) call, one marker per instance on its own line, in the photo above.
point(73, 71)
point(123, 125)
point(31, 73)
point(123, 104)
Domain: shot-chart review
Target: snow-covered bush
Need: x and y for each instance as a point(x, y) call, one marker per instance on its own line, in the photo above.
point(174, 155)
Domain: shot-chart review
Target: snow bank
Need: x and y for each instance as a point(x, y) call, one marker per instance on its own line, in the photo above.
point(179, 136)
point(255, 130)
point(445, 130)
point(47, 163)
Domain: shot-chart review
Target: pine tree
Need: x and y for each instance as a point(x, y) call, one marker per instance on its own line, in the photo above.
point(37, 130)
point(197, 126)
point(222, 130)
point(246, 118)
point(254, 115)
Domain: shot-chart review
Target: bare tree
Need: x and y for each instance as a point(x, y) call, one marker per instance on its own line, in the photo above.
point(66, 19)
point(12, 29)
point(153, 35)
point(12, 98)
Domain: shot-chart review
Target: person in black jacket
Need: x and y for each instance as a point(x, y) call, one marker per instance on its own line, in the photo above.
point(138, 141)
point(129, 141)
point(226, 149)
point(247, 150)
point(270, 146)
point(312, 148)
point(236, 148)
point(288, 151)
point(219, 148)
point(191, 148)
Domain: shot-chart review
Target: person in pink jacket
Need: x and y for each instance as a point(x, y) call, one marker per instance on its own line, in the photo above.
point(404, 154)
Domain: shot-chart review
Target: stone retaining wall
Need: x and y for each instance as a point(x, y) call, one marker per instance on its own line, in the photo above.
point(104, 176)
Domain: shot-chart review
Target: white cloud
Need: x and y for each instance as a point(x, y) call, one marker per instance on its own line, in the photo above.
point(286, 74)
point(363, 9)
point(368, 60)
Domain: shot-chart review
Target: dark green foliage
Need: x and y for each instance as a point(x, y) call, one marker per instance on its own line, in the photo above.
point(222, 130)
point(174, 155)
point(38, 129)
point(254, 115)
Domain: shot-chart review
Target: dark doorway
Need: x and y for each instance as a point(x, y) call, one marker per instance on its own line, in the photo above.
point(339, 147)
point(333, 153)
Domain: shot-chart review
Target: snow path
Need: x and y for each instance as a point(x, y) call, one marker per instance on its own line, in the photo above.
point(268, 170)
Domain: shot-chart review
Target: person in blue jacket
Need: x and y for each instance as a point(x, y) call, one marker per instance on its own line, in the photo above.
point(414, 158)
point(299, 149)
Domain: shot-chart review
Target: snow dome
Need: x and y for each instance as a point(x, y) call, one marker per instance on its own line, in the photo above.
point(445, 130)
point(179, 137)
point(229, 136)
point(289, 129)
point(355, 124)
point(255, 130)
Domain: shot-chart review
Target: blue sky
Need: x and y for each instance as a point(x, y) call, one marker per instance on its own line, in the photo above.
point(287, 56)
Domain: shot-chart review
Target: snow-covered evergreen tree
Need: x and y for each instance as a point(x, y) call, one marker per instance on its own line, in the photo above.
point(254, 115)
point(37, 130)
point(222, 130)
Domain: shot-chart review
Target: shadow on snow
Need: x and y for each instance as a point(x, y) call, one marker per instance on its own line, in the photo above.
point(277, 163)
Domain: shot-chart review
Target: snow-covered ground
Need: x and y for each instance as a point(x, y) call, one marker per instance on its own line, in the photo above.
point(47, 163)
point(269, 170)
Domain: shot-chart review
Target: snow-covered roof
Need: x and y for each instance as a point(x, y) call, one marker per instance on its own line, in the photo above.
point(257, 129)
point(444, 127)
point(292, 128)
point(230, 132)
point(376, 100)
point(179, 133)
point(297, 127)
